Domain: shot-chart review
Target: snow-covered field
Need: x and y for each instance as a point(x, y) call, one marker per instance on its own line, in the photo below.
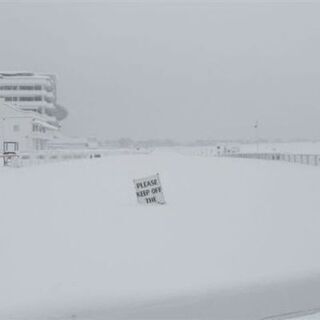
point(237, 239)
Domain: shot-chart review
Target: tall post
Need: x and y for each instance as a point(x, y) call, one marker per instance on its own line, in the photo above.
point(256, 128)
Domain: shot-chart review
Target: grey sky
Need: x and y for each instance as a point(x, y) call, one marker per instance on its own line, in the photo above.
point(173, 70)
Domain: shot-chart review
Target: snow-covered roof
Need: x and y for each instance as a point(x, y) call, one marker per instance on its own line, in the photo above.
point(44, 124)
point(4, 74)
point(18, 73)
point(43, 118)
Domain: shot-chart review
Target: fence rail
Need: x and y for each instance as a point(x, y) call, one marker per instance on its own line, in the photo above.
point(308, 159)
point(35, 158)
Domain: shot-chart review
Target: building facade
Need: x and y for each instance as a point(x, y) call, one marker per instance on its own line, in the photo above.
point(29, 130)
point(29, 113)
point(32, 92)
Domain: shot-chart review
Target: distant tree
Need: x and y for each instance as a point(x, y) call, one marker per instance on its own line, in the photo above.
point(125, 143)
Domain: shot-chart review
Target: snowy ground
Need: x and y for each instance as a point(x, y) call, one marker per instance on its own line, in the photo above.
point(237, 239)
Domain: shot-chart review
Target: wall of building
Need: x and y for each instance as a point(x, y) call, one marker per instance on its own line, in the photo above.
point(31, 131)
point(16, 130)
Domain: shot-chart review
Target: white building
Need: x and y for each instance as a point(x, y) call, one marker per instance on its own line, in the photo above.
point(30, 130)
point(32, 92)
point(29, 113)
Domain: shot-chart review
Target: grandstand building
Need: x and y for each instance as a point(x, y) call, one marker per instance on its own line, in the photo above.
point(32, 92)
point(29, 114)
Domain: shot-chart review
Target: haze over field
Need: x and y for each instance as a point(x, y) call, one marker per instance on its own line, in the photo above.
point(180, 70)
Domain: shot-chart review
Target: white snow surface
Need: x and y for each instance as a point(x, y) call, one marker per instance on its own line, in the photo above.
point(73, 238)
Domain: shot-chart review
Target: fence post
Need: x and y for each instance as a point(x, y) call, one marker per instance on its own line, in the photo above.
point(308, 159)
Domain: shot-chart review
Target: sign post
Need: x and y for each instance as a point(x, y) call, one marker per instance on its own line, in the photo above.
point(149, 190)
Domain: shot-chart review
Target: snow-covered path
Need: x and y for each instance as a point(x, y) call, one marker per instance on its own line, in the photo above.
point(73, 240)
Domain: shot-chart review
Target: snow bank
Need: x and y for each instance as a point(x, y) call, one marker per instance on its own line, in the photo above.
point(73, 240)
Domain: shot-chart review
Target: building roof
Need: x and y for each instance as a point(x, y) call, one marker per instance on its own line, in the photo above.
point(12, 73)
point(41, 118)
point(7, 74)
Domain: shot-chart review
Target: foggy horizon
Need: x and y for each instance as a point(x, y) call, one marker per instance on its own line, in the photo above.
point(181, 71)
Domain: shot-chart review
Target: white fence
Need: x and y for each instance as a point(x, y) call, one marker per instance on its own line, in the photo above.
point(308, 159)
point(35, 158)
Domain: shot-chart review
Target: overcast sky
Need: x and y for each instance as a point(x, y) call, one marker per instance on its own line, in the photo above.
point(181, 70)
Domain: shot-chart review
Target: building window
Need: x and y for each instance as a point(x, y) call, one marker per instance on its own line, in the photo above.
point(36, 98)
point(16, 128)
point(26, 99)
point(10, 98)
point(26, 87)
point(8, 87)
point(48, 99)
point(29, 87)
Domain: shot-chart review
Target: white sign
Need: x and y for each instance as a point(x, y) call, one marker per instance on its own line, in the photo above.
point(149, 190)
